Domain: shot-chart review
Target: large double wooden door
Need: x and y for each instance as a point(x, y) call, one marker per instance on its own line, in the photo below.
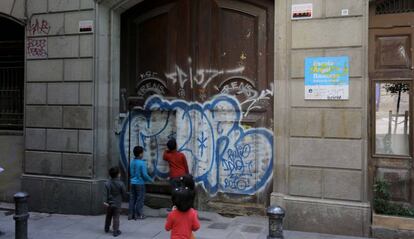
point(391, 72)
point(189, 52)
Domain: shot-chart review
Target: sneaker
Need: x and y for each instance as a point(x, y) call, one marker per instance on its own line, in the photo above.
point(141, 217)
point(117, 233)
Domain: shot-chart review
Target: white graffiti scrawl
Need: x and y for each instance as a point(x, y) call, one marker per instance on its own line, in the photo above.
point(222, 154)
point(200, 77)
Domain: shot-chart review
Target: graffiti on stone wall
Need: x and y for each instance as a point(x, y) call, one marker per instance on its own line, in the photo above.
point(223, 155)
point(244, 89)
point(36, 48)
point(237, 85)
point(38, 27)
point(196, 77)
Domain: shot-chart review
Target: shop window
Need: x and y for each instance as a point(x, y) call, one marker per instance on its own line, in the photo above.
point(392, 118)
point(393, 6)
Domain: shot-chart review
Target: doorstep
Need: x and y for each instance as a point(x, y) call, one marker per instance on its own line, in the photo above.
point(389, 227)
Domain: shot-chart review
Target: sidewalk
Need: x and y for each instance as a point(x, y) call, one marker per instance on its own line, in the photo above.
point(213, 226)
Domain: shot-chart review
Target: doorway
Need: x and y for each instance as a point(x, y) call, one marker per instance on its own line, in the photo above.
point(11, 105)
point(391, 73)
point(202, 72)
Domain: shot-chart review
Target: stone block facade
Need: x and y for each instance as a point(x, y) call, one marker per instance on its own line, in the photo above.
point(323, 142)
point(72, 95)
point(59, 109)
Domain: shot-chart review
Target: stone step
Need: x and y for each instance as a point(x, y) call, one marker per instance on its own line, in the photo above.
point(152, 201)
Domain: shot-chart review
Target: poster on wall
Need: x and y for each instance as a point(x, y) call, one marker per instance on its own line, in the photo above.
point(327, 78)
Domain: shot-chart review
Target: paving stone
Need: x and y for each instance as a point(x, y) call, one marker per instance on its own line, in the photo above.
point(218, 225)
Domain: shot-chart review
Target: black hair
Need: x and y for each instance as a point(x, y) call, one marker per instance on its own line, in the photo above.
point(172, 144)
point(113, 172)
point(138, 150)
point(188, 181)
point(183, 198)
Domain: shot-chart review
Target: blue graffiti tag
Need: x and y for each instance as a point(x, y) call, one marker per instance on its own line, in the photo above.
point(223, 155)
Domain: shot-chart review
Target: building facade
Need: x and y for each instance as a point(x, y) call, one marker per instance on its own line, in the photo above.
point(230, 80)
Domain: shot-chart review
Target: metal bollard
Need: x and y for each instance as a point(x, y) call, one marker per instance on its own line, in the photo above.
point(21, 215)
point(276, 215)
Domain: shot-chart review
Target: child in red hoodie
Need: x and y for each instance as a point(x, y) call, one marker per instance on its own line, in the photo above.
point(183, 219)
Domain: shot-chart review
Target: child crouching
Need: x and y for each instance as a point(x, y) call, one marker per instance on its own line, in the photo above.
point(183, 219)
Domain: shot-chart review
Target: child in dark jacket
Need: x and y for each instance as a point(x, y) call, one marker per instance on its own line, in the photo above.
point(183, 219)
point(114, 192)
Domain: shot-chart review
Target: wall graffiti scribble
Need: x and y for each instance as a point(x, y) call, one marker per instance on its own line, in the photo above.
point(200, 77)
point(37, 27)
point(222, 154)
point(36, 48)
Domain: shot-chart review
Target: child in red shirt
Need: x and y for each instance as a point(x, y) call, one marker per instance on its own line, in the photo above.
point(183, 219)
point(176, 160)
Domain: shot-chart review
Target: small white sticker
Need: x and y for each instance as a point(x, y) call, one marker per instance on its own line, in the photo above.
point(344, 12)
point(86, 26)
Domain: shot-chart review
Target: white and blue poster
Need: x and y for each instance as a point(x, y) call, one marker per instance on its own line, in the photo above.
point(327, 78)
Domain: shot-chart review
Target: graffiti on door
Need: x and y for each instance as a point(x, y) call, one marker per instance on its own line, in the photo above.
point(224, 156)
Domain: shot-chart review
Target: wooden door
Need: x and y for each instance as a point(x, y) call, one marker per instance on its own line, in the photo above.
point(391, 65)
point(203, 71)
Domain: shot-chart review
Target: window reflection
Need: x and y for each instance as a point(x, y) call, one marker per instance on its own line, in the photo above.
point(392, 126)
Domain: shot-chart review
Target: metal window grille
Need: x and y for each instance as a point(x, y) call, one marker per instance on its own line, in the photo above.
point(11, 85)
point(393, 6)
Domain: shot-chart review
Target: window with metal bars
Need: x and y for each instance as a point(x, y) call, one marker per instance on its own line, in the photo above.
point(11, 75)
point(393, 6)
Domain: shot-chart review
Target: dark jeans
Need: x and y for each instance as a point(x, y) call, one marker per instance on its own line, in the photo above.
point(136, 200)
point(112, 213)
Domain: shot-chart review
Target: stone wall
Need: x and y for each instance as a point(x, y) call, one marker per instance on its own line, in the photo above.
point(11, 157)
point(59, 110)
point(13, 8)
point(323, 142)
